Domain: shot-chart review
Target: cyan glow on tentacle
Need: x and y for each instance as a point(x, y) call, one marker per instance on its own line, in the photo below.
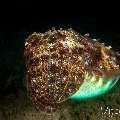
point(91, 88)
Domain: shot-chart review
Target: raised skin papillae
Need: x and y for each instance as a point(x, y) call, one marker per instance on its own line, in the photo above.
point(57, 61)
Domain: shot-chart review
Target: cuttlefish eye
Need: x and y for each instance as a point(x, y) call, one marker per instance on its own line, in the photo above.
point(62, 64)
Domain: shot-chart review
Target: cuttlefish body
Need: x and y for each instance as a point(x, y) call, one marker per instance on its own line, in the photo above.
point(58, 62)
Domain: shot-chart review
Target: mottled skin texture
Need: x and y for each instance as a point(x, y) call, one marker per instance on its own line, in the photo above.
point(57, 61)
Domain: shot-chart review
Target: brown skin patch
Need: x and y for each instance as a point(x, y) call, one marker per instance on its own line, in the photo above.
point(58, 61)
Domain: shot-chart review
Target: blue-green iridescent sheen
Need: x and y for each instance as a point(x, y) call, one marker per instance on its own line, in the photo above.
point(91, 88)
